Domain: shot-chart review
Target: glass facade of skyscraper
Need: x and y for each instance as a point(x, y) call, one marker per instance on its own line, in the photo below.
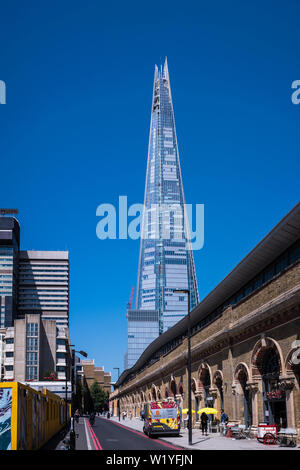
point(166, 259)
point(142, 329)
point(9, 251)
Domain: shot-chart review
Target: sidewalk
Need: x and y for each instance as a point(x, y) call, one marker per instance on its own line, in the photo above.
point(83, 440)
point(211, 442)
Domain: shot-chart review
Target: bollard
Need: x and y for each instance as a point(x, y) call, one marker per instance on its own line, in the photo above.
point(72, 440)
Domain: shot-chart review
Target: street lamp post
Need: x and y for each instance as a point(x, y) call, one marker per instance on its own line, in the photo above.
point(186, 291)
point(72, 431)
point(118, 402)
point(84, 354)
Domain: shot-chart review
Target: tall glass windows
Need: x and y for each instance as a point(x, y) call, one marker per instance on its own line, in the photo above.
point(32, 336)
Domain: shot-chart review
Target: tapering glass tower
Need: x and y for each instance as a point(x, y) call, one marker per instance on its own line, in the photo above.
point(166, 259)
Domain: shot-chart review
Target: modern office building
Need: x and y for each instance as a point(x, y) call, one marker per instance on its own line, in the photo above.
point(9, 254)
point(34, 311)
point(142, 329)
point(44, 285)
point(34, 349)
point(166, 259)
point(31, 282)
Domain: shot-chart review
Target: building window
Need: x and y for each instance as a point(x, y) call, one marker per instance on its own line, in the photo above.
point(31, 373)
point(32, 330)
point(60, 355)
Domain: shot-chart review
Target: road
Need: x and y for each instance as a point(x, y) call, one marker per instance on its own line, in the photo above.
point(109, 435)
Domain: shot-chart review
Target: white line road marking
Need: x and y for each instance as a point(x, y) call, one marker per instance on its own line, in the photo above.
point(87, 436)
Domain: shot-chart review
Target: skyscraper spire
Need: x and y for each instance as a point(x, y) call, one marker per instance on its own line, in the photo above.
point(166, 70)
point(166, 259)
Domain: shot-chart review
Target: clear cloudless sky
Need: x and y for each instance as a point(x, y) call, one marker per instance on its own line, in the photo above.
point(74, 134)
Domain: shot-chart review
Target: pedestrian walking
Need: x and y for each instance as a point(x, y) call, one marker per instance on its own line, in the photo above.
point(130, 415)
point(224, 421)
point(77, 414)
point(204, 420)
point(92, 418)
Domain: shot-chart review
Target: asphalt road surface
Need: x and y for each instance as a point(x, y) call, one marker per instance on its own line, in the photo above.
point(109, 435)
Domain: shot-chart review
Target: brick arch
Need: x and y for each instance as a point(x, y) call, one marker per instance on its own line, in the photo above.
point(159, 396)
point(194, 385)
point(180, 388)
point(293, 354)
point(204, 374)
point(218, 378)
point(241, 376)
point(292, 364)
point(166, 392)
point(173, 386)
point(258, 353)
point(153, 393)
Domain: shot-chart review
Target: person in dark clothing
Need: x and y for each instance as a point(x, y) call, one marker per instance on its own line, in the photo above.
point(224, 421)
point(204, 420)
point(92, 418)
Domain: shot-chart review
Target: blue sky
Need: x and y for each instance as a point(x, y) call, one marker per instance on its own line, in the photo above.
point(74, 134)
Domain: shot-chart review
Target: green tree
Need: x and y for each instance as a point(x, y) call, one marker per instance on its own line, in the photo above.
point(87, 399)
point(100, 397)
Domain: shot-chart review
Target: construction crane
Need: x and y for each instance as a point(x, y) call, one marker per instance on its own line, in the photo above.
point(130, 300)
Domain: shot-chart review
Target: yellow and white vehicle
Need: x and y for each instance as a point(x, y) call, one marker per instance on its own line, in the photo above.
point(161, 417)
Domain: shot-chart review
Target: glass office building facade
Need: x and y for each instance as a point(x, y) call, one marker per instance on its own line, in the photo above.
point(9, 252)
point(166, 259)
point(142, 329)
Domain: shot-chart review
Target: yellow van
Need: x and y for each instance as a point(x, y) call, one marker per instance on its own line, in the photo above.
point(161, 417)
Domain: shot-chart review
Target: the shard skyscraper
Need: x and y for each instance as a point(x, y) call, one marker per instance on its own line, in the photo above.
point(166, 259)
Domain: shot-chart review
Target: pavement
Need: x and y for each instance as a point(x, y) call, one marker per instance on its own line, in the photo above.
point(84, 437)
point(112, 434)
point(214, 441)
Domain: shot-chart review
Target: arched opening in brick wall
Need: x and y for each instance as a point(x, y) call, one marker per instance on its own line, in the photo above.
point(205, 384)
point(173, 388)
point(267, 363)
point(293, 364)
point(218, 381)
point(166, 392)
point(196, 400)
point(193, 386)
point(241, 378)
point(153, 393)
point(159, 397)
